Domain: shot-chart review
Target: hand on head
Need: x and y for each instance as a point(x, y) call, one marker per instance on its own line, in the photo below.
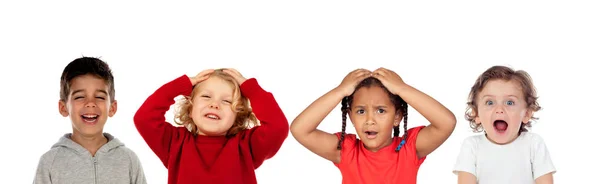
point(235, 74)
point(352, 80)
point(389, 79)
point(203, 75)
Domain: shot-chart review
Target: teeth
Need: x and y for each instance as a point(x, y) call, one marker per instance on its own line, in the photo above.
point(212, 116)
point(90, 116)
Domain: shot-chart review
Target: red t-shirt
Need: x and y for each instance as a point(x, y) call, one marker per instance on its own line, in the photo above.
point(206, 159)
point(386, 166)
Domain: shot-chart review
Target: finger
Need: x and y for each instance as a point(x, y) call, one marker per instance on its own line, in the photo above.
point(381, 71)
point(232, 73)
point(377, 73)
point(363, 75)
point(202, 78)
point(206, 72)
point(359, 70)
point(232, 70)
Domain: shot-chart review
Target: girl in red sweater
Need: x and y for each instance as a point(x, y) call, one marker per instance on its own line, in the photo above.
point(221, 139)
point(376, 102)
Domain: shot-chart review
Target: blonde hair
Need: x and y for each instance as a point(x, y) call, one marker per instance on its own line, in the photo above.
point(244, 117)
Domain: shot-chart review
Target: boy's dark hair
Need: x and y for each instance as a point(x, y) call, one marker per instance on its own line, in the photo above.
point(506, 74)
point(399, 105)
point(83, 66)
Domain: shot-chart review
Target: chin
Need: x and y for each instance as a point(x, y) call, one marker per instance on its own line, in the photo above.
point(502, 139)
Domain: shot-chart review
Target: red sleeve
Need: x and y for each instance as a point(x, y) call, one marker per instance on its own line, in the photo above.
point(150, 117)
point(266, 139)
point(348, 148)
point(411, 144)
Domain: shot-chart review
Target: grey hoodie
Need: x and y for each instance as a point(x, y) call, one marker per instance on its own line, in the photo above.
point(69, 162)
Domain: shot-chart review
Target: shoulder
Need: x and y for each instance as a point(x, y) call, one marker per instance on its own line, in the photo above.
point(128, 152)
point(533, 140)
point(48, 156)
point(531, 137)
point(473, 140)
point(347, 137)
point(350, 140)
point(414, 130)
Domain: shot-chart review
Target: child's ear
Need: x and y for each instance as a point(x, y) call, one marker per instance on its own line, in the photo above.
point(528, 116)
point(112, 109)
point(477, 120)
point(398, 118)
point(62, 108)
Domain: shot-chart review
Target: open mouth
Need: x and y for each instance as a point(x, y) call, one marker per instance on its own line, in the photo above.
point(89, 118)
point(500, 125)
point(212, 116)
point(371, 134)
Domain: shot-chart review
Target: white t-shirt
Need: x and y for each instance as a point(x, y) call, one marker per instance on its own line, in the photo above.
point(520, 162)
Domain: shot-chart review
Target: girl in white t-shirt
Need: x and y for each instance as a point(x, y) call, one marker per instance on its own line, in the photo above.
point(501, 103)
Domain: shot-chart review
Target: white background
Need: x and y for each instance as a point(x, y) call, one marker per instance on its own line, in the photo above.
point(298, 50)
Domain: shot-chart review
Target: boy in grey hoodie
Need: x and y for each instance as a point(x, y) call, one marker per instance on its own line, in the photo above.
point(87, 97)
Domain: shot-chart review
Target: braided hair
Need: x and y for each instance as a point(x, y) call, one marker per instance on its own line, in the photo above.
point(399, 105)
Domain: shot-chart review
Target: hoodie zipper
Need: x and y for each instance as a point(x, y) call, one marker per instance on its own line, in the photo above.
point(95, 172)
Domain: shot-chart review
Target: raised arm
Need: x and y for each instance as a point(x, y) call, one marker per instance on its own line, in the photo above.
point(266, 139)
point(442, 120)
point(150, 117)
point(304, 127)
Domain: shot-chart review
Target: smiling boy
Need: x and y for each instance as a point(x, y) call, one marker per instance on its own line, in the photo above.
point(88, 155)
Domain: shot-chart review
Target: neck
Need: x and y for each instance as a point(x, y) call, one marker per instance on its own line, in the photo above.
point(90, 143)
point(494, 142)
point(387, 143)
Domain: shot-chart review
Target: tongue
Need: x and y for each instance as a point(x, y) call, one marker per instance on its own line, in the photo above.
point(501, 125)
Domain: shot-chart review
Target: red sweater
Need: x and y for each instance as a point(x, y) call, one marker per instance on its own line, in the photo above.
point(205, 159)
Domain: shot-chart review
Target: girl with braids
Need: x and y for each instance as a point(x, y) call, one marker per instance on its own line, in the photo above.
point(376, 103)
point(501, 103)
point(220, 140)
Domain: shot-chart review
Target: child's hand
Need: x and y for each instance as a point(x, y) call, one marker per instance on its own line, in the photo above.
point(235, 74)
point(349, 83)
point(389, 79)
point(203, 75)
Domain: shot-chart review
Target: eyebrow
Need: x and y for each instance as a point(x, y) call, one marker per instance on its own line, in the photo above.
point(514, 96)
point(379, 106)
point(81, 90)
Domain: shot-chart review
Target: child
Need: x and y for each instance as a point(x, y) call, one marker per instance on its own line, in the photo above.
point(87, 97)
point(502, 102)
point(220, 141)
point(376, 103)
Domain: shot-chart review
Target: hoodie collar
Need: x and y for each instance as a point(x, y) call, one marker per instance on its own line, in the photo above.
point(67, 142)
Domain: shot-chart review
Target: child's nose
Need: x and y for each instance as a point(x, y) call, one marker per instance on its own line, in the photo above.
point(90, 103)
point(370, 119)
point(214, 105)
point(499, 110)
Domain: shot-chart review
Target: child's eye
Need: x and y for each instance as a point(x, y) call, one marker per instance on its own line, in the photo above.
point(78, 97)
point(101, 98)
point(227, 101)
point(510, 102)
point(380, 110)
point(360, 111)
point(205, 96)
point(489, 102)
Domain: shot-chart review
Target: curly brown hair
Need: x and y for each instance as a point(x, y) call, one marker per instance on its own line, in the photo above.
point(506, 74)
point(244, 118)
